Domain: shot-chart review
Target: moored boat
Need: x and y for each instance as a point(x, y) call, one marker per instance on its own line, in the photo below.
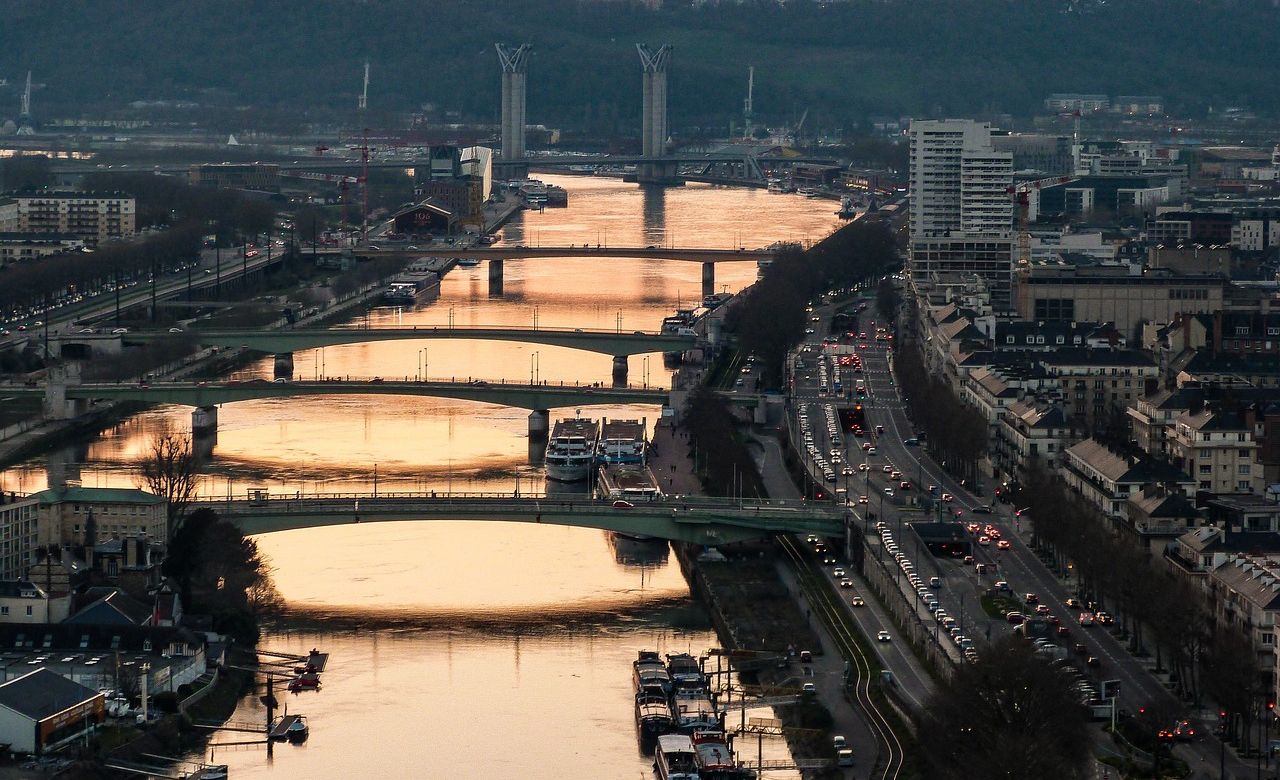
point(675, 758)
point(715, 757)
point(571, 449)
point(649, 673)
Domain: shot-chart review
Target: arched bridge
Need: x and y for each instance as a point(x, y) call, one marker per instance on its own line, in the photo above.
point(206, 394)
point(706, 521)
point(617, 344)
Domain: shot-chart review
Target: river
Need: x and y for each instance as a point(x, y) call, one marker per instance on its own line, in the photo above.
point(469, 649)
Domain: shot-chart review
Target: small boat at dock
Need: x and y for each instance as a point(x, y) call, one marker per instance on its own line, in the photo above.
point(675, 758)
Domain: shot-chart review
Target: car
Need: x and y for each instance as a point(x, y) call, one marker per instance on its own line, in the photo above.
point(985, 541)
point(809, 331)
point(838, 742)
point(846, 583)
point(883, 636)
point(847, 471)
point(948, 498)
point(1001, 585)
point(968, 560)
point(888, 492)
point(871, 451)
point(1016, 618)
point(857, 601)
point(828, 561)
point(879, 429)
point(1063, 632)
point(935, 582)
point(1031, 598)
point(809, 689)
point(863, 467)
point(1003, 544)
point(621, 504)
point(1042, 609)
point(171, 330)
point(1073, 603)
point(806, 657)
point(119, 331)
point(887, 469)
point(1094, 662)
point(838, 572)
point(982, 510)
point(904, 485)
point(863, 499)
point(1183, 731)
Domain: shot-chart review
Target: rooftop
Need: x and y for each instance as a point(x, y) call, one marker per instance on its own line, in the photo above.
point(41, 694)
point(87, 495)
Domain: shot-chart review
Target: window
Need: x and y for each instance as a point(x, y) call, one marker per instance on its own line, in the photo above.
point(1205, 468)
point(1008, 339)
point(1268, 639)
point(28, 611)
point(1205, 452)
point(1243, 453)
point(1243, 468)
point(4, 610)
point(1242, 486)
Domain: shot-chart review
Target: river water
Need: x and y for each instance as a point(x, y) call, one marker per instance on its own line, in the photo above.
point(470, 649)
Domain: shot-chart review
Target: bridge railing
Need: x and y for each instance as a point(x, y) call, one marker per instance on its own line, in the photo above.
point(302, 502)
point(347, 379)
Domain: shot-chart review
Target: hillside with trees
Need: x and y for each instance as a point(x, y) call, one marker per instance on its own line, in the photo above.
point(300, 61)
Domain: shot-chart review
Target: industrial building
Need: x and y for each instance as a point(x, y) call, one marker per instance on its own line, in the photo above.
point(261, 177)
point(41, 711)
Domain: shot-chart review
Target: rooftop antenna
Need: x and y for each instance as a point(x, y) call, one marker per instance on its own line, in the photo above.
point(746, 104)
point(363, 102)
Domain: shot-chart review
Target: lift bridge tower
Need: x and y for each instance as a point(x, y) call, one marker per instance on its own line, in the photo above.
point(654, 132)
point(515, 71)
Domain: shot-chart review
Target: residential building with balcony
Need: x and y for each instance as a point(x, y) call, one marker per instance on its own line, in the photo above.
point(1107, 479)
point(1218, 449)
point(92, 216)
point(1029, 433)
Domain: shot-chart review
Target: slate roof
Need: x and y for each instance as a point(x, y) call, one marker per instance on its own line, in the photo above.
point(42, 694)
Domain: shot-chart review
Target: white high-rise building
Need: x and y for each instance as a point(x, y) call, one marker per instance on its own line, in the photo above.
point(961, 207)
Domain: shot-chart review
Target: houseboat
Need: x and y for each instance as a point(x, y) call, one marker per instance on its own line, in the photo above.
point(571, 449)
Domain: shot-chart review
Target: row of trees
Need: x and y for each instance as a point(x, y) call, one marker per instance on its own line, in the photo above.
point(42, 281)
point(770, 319)
point(164, 201)
point(956, 434)
point(1009, 715)
point(1156, 609)
point(721, 457)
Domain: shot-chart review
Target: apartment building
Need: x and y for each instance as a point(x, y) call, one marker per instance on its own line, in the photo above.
point(1029, 432)
point(961, 212)
point(1108, 479)
point(18, 520)
point(1217, 448)
point(1094, 382)
point(92, 216)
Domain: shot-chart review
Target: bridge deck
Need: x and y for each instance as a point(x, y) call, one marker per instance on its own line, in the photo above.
point(697, 520)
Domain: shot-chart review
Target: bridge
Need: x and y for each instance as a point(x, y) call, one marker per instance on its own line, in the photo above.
point(496, 254)
point(706, 521)
point(283, 343)
point(206, 396)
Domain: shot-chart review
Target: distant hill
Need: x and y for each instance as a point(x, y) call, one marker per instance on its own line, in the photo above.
point(301, 60)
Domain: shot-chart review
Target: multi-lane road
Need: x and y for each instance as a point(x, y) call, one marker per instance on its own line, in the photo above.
point(962, 589)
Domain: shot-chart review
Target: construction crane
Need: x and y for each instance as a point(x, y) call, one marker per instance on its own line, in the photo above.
point(800, 126)
point(746, 104)
point(364, 185)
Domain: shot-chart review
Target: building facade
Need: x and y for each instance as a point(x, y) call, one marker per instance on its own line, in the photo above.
point(92, 216)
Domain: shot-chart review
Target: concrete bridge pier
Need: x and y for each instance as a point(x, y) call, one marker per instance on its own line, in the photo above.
point(620, 371)
point(495, 278)
point(284, 365)
point(539, 424)
point(708, 279)
point(204, 422)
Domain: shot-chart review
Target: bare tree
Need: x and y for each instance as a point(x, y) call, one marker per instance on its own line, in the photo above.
point(169, 471)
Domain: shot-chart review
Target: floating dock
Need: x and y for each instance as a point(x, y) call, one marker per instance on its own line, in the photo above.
point(280, 729)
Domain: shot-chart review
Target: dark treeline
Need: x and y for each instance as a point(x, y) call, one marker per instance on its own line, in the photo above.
point(770, 318)
point(1156, 609)
point(844, 61)
point(50, 278)
point(1008, 715)
point(956, 434)
point(169, 200)
point(721, 458)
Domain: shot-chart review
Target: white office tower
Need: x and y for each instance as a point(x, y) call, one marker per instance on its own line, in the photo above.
point(961, 208)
